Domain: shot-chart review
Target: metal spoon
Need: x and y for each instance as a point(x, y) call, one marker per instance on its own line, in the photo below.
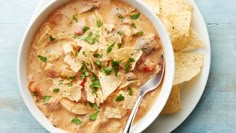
point(150, 85)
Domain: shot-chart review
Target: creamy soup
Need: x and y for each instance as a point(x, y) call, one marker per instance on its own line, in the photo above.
point(86, 64)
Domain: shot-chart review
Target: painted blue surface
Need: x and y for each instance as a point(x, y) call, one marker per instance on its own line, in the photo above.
point(215, 113)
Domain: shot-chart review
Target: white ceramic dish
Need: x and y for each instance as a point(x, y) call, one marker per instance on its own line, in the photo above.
point(158, 104)
point(191, 92)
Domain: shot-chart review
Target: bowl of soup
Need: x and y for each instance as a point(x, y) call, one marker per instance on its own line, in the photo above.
point(81, 64)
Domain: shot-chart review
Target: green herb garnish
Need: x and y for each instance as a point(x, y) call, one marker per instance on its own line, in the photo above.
point(140, 33)
point(99, 64)
point(119, 45)
point(84, 71)
point(130, 91)
point(42, 58)
point(70, 84)
point(75, 18)
point(72, 77)
point(127, 65)
point(86, 28)
point(108, 70)
point(121, 33)
point(115, 65)
point(120, 16)
point(56, 90)
point(46, 98)
point(36, 94)
point(134, 25)
point(95, 85)
point(89, 38)
point(135, 16)
point(52, 38)
point(97, 55)
point(93, 117)
point(109, 49)
point(95, 106)
point(99, 23)
point(76, 121)
point(120, 98)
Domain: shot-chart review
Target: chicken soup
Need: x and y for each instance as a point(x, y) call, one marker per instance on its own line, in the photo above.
point(86, 64)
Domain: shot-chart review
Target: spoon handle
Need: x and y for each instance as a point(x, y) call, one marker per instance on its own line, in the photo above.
point(132, 115)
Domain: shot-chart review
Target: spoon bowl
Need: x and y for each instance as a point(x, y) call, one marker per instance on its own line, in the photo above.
point(150, 85)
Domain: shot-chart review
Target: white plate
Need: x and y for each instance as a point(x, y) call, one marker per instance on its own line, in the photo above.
point(192, 91)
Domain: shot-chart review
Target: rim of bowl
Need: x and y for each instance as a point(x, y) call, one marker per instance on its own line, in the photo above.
point(157, 106)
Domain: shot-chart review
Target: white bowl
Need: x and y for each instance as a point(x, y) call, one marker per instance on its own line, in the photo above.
point(158, 105)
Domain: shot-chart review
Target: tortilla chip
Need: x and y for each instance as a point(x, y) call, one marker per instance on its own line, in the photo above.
point(76, 108)
point(194, 41)
point(178, 25)
point(85, 55)
point(174, 6)
point(89, 92)
point(154, 5)
point(74, 63)
point(72, 93)
point(113, 112)
point(173, 104)
point(129, 101)
point(187, 66)
point(109, 83)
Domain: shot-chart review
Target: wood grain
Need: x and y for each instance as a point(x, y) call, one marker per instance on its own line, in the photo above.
point(216, 112)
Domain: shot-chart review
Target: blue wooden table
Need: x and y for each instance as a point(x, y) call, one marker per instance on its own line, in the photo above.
point(215, 113)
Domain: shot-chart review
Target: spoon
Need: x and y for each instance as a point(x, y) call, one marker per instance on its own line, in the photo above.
point(150, 85)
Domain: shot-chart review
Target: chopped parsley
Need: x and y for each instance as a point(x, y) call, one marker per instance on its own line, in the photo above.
point(36, 94)
point(108, 70)
point(97, 55)
point(109, 49)
point(42, 58)
point(75, 18)
point(140, 33)
point(119, 45)
point(115, 65)
point(93, 117)
point(96, 38)
point(121, 33)
point(99, 64)
point(86, 28)
point(76, 121)
point(52, 38)
point(93, 77)
point(120, 16)
point(134, 25)
point(46, 98)
point(70, 84)
point(120, 98)
point(99, 23)
point(95, 84)
point(89, 38)
point(130, 91)
point(127, 65)
point(60, 83)
point(56, 90)
point(72, 77)
point(95, 106)
point(135, 16)
point(84, 71)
